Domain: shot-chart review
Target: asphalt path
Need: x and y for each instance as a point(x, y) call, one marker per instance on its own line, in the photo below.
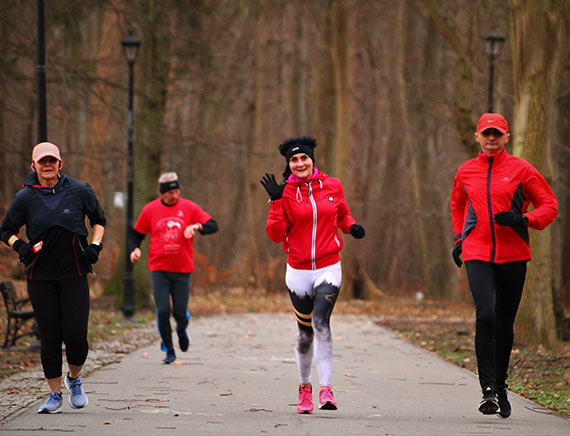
point(239, 377)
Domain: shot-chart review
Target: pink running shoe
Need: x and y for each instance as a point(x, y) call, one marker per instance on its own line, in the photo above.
point(305, 404)
point(326, 398)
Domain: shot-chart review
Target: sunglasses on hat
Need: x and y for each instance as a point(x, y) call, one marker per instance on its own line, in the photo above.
point(495, 132)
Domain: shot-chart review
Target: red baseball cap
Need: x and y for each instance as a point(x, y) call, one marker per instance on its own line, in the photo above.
point(44, 149)
point(492, 121)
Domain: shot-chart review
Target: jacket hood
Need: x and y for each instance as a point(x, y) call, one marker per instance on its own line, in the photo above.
point(317, 175)
point(32, 181)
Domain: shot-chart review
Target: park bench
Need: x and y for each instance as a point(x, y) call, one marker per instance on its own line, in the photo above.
point(17, 317)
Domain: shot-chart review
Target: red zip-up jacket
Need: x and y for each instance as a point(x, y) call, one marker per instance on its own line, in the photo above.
point(307, 218)
point(488, 184)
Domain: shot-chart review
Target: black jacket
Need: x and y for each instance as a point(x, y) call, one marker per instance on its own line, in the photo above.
point(56, 217)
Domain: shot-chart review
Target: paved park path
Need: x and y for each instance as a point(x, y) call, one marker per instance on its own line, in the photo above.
point(240, 378)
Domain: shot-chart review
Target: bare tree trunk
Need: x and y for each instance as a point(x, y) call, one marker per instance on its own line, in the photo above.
point(418, 50)
point(562, 151)
point(345, 56)
point(406, 27)
point(98, 139)
point(459, 40)
point(260, 140)
point(340, 55)
point(536, 65)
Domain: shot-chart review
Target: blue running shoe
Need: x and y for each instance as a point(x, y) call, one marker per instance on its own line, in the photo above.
point(53, 404)
point(170, 357)
point(183, 339)
point(77, 398)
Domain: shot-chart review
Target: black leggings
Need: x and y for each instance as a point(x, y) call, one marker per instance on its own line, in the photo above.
point(496, 289)
point(62, 312)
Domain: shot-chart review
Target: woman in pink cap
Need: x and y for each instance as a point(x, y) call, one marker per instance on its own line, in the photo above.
point(489, 211)
point(57, 259)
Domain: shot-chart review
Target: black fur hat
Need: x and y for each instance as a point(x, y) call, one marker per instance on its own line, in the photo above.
point(297, 144)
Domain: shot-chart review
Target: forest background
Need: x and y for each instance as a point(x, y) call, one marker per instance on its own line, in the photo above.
point(391, 89)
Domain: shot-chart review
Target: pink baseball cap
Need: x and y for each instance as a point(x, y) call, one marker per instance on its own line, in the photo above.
point(44, 149)
point(492, 121)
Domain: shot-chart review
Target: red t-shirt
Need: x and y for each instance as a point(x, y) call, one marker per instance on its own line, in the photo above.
point(169, 250)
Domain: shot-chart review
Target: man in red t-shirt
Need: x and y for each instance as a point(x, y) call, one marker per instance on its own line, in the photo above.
point(172, 222)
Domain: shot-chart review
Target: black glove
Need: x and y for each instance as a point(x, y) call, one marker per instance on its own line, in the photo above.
point(92, 253)
point(510, 218)
point(457, 250)
point(24, 249)
point(357, 231)
point(274, 190)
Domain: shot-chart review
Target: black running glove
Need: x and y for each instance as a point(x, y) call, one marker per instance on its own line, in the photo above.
point(510, 218)
point(457, 250)
point(357, 231)
point(92, 253)
point(24, 249)
point(274, 190)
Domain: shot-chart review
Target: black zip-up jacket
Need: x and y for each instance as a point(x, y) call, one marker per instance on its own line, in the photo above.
point(56, 217)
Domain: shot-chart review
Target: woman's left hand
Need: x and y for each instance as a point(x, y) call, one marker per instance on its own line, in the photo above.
point(91, 254)
point(357, 231)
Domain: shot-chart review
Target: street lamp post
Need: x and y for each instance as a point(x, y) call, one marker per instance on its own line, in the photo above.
point(131, 45)
point(41, 71)
point(493, 45)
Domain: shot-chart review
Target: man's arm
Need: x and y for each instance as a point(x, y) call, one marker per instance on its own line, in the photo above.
point(208, 227)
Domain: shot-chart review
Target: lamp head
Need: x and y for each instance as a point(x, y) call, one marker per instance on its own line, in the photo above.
point(131, 45)
point(494, 44)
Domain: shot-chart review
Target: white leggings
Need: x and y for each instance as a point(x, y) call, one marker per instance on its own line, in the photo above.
point(313, 294)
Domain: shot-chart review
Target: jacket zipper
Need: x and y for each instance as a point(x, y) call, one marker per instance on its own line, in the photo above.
point(314, 236)
point(489, 205)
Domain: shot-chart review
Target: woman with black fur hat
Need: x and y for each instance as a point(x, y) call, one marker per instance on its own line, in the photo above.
point(306, 212)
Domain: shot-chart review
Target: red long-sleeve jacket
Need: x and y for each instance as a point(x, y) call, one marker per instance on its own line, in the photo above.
point(307, 218)
point(488, 184)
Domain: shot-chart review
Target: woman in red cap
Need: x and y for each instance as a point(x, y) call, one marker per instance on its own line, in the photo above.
point(490, 216)
point(57, 259)
point(306, 212)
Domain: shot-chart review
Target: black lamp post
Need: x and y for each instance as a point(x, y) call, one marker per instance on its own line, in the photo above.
point(41, 71)
point(493, 45)
point(131, 45)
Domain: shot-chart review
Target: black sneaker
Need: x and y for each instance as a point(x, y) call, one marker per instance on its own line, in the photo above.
point(489, 404)
point(183, 339)
point(504, 404)
point(170, 357)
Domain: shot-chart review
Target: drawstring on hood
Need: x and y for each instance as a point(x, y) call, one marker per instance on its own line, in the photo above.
point(294, 179)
